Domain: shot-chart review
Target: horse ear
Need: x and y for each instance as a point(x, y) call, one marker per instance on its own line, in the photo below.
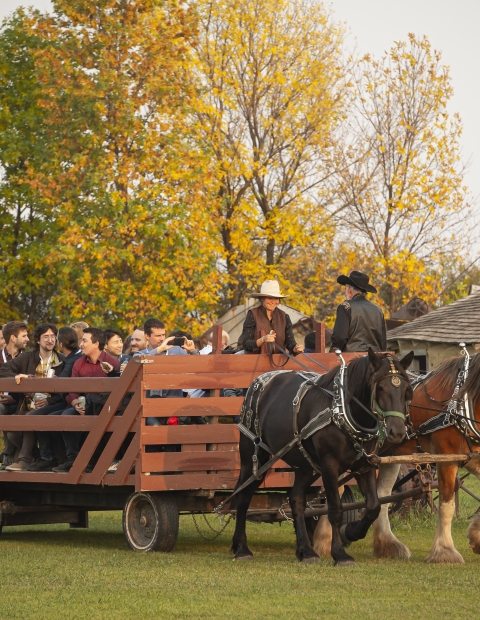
point(375, 359)
point(407, 360)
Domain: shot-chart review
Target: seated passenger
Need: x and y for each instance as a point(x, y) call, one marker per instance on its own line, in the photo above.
point(269, 319)
point(43, 361)
point(310, 343)
point(55, 404)
point(159, 344)
point(93, 363)
point(15, 338)
point(79, 326)
point(114, 346)
point(208, 348)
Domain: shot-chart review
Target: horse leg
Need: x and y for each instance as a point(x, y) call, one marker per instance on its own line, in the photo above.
point(322, 537)
point(443, 550)
point(473, 532)
point(331, 472)
point(243, 499)
point(303, 481)
point(356, 530)
point(385, 543)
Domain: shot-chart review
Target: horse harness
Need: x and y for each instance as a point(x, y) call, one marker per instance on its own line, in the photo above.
point(458, 412)
point(339, 414)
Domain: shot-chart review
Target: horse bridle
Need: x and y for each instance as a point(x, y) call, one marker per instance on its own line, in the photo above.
point(342, 416)
point(451, 417)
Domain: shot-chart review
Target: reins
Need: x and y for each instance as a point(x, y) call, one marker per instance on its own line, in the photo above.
point(375, 406)
point(321, 420)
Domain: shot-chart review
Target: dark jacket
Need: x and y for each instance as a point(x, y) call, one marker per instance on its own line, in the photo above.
point(26, 364)
point(280, 323)
point(359, 325)
point(69, 361)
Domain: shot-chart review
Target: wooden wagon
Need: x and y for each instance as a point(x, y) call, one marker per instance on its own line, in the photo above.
point(151, 487)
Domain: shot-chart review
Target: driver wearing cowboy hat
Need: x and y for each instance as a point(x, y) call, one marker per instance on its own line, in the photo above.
point(267, 323)
point(359, 323)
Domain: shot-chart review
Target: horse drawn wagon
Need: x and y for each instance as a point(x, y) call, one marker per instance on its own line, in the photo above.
point(152, 485)
point(164, 470)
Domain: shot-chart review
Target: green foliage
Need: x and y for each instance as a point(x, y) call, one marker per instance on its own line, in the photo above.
point(28, 223)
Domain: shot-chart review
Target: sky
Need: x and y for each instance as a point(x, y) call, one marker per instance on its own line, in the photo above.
point(374, 25)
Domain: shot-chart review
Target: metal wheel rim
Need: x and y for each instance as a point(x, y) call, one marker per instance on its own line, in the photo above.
point(142, 522)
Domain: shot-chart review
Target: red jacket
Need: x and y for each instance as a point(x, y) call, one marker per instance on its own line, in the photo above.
point(84, 367)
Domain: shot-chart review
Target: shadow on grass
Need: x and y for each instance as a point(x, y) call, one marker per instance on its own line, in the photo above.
point(71, 537)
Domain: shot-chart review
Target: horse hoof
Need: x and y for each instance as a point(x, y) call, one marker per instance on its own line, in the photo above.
point(345, 563)
point(311, 560)
point(243, 558)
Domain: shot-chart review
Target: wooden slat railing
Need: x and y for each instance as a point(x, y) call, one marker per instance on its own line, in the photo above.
point(205, 456)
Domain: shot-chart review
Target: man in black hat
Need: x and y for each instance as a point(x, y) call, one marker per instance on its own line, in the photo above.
point(359, 323)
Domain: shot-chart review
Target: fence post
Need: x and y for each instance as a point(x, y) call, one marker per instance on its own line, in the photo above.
point(217, 339)
point(319, 337)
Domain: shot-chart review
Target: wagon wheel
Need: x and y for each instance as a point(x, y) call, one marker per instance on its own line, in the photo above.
point(351, 515)
point(150, 522)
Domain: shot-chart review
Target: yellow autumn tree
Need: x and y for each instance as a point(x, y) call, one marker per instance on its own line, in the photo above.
point(273, 93)
point(400, 179)
point(128, 174)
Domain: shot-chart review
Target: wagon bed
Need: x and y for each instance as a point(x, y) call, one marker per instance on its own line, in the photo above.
point(195, 478)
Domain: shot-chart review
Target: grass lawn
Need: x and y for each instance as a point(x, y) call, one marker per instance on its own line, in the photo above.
point(54, 572)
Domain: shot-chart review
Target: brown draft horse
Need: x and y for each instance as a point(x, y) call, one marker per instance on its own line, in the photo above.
point(438, 386)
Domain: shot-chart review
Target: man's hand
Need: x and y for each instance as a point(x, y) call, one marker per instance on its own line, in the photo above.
point(165, 345)
point(18, 378)
point(122, 367)
point(6, 399)
point(299, 348)
point(79, 409)
point(106, 367)
point(41, 402)
point(189, 346)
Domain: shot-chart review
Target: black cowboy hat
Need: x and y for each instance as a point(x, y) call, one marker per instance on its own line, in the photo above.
point(358, 280)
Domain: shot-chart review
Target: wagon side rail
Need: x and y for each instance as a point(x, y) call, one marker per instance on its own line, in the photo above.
point(204, 457)
point(95, 426)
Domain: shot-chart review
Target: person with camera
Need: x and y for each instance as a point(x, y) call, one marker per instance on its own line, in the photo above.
point(95, 362)
point(179, 343)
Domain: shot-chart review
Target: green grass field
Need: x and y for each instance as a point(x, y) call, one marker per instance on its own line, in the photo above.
point(54, 572)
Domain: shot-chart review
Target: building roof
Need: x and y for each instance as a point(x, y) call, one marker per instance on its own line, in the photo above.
point(457, 322)
point(414, 309)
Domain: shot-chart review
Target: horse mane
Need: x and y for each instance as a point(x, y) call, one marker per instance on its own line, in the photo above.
point(359, 369)
point(448, 371)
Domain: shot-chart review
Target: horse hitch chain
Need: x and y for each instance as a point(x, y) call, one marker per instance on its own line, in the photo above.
point(426, 477)
point(282, 512)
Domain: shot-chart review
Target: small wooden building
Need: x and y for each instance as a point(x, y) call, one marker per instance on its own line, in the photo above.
point(435, 336)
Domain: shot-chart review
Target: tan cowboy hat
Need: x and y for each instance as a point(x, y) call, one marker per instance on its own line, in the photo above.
point(270, 288)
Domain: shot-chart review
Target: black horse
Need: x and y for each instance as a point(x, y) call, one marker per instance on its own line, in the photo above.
point(378, 382)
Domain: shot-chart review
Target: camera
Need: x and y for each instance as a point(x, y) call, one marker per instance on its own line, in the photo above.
point(178, 341)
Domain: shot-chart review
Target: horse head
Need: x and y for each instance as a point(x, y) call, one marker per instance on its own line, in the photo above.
point(391, 390)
